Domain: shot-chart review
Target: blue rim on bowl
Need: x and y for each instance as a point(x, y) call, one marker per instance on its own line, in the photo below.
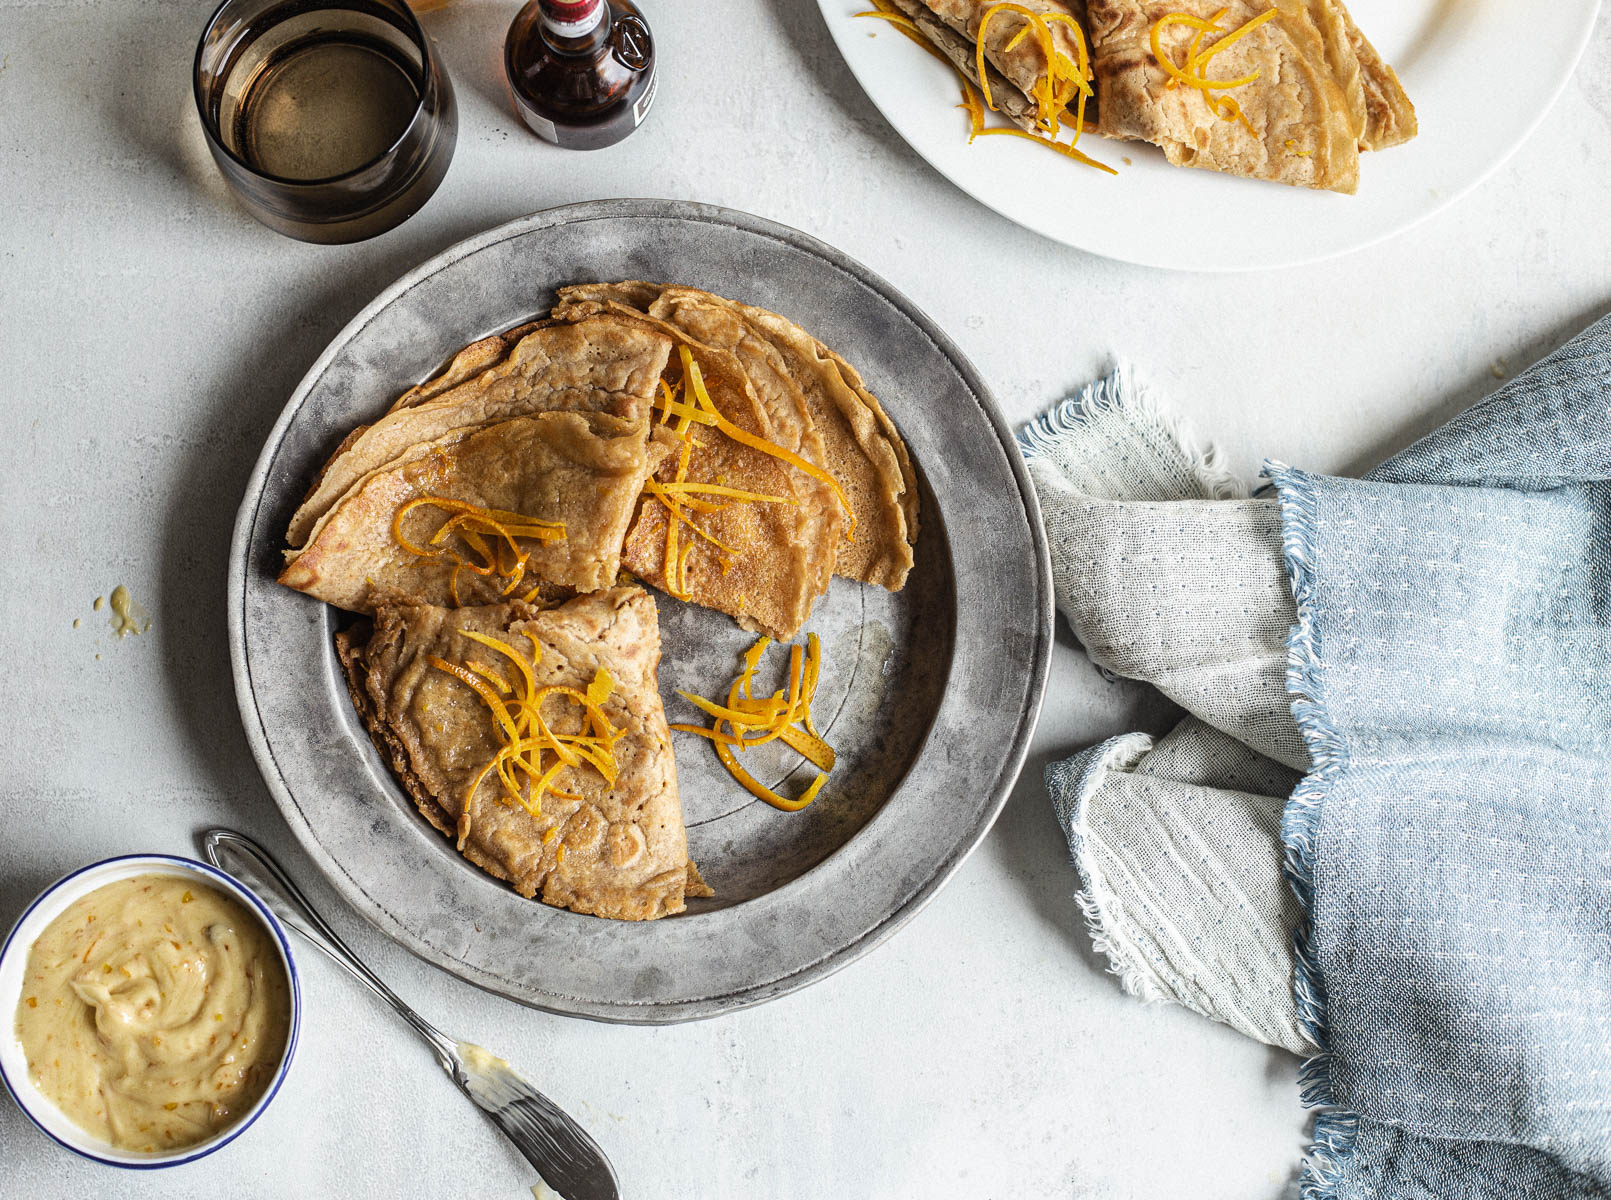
point(57, 897)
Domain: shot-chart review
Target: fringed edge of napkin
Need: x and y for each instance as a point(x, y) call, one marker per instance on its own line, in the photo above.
point(1124, 412)
point(1335, 1129)
point(1096, 900)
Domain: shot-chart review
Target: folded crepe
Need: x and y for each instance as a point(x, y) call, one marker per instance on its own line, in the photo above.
point(765, 562)
point(440, 525)
point(851, 437)
point(1322, 94)
point(609, 849)
point(603, 365)
point(1021, 60)
point(468, 363)
point(958, 49)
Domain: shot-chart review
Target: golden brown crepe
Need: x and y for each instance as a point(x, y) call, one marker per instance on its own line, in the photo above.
point(773, 559)
point(585, 471)
point(619, 851)
point(604, 365)
point(468, 363)
point(1389, 115)
point(1322, 93)
point(854, 439)
point(958, 50)
point(1025, 64)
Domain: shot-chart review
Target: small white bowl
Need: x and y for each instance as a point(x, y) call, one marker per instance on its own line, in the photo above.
point(14, 958)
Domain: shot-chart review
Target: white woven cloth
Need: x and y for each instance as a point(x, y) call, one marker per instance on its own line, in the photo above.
point(1168, 574)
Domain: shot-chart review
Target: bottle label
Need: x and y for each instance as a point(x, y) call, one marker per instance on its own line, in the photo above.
point(536, 122)
point(572, 18)
point(641, 108)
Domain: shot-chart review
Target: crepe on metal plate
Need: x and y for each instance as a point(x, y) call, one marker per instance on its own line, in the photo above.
point(625, 850)
point(859, 445)
point(605, 365)
point(778, 555)
point(585, 471)
point(468, 363)
point(1323, 94)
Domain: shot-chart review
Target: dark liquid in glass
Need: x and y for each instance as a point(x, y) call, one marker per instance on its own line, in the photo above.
point(330, 119)
point(325, 106)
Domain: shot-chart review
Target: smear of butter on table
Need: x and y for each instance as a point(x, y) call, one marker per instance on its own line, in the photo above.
point(128, 615)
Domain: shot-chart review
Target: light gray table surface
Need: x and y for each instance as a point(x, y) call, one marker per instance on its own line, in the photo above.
point(149, 334)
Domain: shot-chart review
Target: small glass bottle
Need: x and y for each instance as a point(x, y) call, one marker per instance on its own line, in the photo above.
point(581, 71)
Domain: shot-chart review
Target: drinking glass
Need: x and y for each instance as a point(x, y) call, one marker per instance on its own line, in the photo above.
point(331, 120)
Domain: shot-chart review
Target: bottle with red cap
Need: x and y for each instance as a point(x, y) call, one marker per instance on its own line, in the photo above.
point(581, 71)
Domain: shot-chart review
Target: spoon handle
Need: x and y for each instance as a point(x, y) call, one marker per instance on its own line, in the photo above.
point(238, 855)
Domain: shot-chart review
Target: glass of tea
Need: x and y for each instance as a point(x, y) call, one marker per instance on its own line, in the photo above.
point(331, 120)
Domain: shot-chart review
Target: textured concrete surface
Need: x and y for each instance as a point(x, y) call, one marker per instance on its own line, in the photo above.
point(149, 333)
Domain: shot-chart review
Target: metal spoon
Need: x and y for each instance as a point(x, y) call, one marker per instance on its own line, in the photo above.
point(570, 1161)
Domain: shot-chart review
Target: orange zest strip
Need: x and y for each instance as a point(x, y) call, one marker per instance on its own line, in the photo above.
point(1060, 147)
point(1191, 72)
point(716, 489)
point(753, 786)
point(675, 562)
point(1063, 80)
point(696, 384)
point(726, 552)
point(883, 10)
point(970, 101)
point(526, 734)
point(747, 720)
point(473, 524)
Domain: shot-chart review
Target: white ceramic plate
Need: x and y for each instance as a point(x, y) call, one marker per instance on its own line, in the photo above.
point(1482, 75)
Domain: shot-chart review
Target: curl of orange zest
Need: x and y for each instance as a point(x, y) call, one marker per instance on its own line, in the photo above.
point(1236, 35)
point(1203, 30)
point(523, 665)
point(905, 25)
point(489, 675)
point(1223, 107)
point(787, 717)
point(697, 383)
point(1059, 147)
point(714, 734)
point(731, 712)
point(1046, 86)
point(970, 101)
point(675, 509)
point(812, 671)
point(472, 523)
point(492, 700)
point(757, 789)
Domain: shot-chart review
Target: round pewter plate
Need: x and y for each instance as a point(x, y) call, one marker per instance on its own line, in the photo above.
point(929, 694)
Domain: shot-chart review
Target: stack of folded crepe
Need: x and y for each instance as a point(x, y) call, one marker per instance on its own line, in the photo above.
point(517, 488)
point(1285, 90)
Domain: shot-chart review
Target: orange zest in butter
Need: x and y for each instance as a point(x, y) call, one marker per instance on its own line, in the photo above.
point(492, 537)
point(747, 720)
point(518, 715)
point(1192, 71)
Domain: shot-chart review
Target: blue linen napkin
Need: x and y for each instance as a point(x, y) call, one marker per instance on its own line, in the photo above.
point(1450, 845)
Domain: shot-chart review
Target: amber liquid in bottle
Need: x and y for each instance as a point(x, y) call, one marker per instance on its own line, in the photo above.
point(582, 72)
